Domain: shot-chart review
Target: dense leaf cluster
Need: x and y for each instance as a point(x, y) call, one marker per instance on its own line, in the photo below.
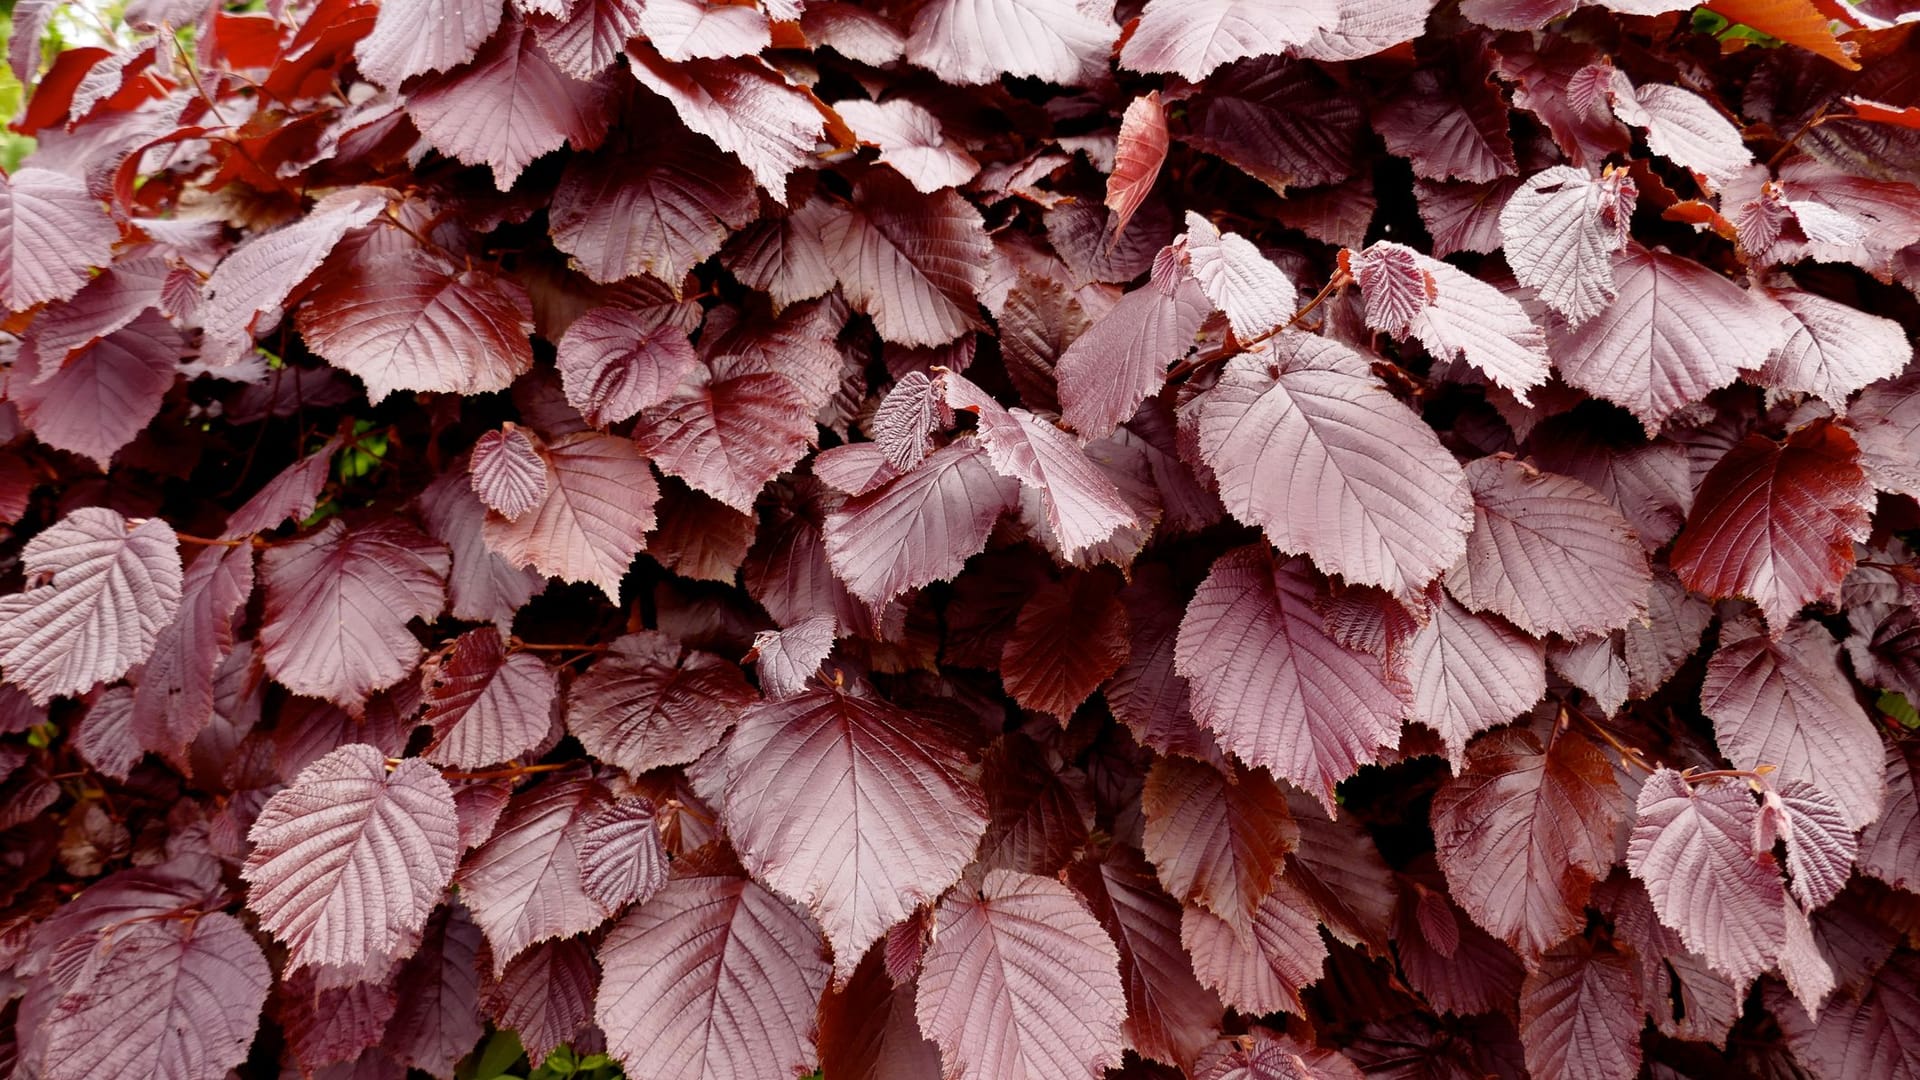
point(1000, 539)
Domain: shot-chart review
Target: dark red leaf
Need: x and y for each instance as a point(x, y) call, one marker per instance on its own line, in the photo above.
point(1068, 637)
point(595, 517)
point(649, 703)
point(438, 990)
point(291, 495)
point(546, 995)
point(728, 429)
point(509, 106)
point(1580, 1015)
point(526, 884)
point(621, 850)
point(1448, 125)
point(1264, 967)
point(486, 705)
point(175, 699)
point(1890, 847)
point(915, 263)
point(1471, 672)
point(742, 105)
point(867, 1028)
point(508, 472)
point(53, 231)
point(1217, 838)
point(615, 362)
point(659, 208)
point(98, 401)
point(1122, 359)
point(482, 585)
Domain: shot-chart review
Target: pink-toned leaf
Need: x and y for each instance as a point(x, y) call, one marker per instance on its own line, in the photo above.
point(1560, 231)
point(412, 320)
point(746, 108)
point(349, 860)
point(412, 37)
point(245, 293)
point(101, 399)
point(1021, 983)
point(1580, 1015)
point(713, 977)
point(1832, 350)
point(617, 361)
point(867, 1028)
point(487, 706)
point(915, 263)
point(1368, 491)
point(974, 42)
point(621, 850)
point(438, 1020)
point(1122, 359)
point(1787, 703)
point(1549, 553)
point(1449, 125)
point(482, 586)
point(787, 658)
point(659, 208)
point(99, 593)
point(291, 495)
point(1692, 847)
point(105, 737)
point(1192, 39)
point(920, 528)
point(853, 32)
point(1524, 832)
point(852, 807)
point(1262, 1055)
point(1684, 128)
point(1676, 332)
point(784, 257)
point(337, 606)
point(1872, 1033)
point(904, 423)
point(175, 699)
point(511, 105)
point(507, 472)
point(1263, 968)
point(526, 885)
point(1170, 1016)
point(174, 997)
point(1069, 636)
point(1137, 157)
point(1256, 295)
point(728, 429)
point(545, 995)
point(1890, 847)
point(1464, 317)
point(1269, 681)
point(1279, 121)
point(1216, 839)
point(649, 703)
point(594, 519)
point(1821, 842)
point(691, 29)
point(911, 141)
point(1470, 672)
point(588, 41)
point(52, 232)
point(1776, 522)
point(1885, 421)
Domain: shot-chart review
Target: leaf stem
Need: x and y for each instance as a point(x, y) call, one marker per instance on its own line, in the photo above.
point(535, 646)
point(204, 541)
point(1188, 367)
point(1629, 754)
point(507, 773)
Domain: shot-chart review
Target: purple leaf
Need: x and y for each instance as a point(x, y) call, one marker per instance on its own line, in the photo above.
point(1279, 121)
point(171, 997)
point(728, 428)
point(546, 995)
point(693, 29)
point(1788, 704)
point(412, 37)
point(105, 737)
point(98, 402)
point(1548, 553)
point(1890, 847)
point(744, 106)
point(1692, 846)
point(1263, 968)
point(337, 606)
point(786, 659)
point(1256, 295)
point(659, 208)
point(867, 1028)
point(1368, 491)
point(1831, 350)
point(511, 105)
point(1821, 844)
point(915, 263)
point(784, 257)
point(507, 472)
point(904, 423)
point(1470, 672)
point(1069, 636)
point(616, 361)
point(713, 977)
point(621, 850)
point(53, 232)
point(1020, 983)
point(349, 860)
point(588, 41)
point(414, 320)
point(291, 495)
point(1216, 839)
point(175, 699)
point(1459, 315)
point(1192, 39)
point(99, 594)
point(482, 586)
point(594, 519)
point(1885, 420)
point(974, 42)
point(1523, 833)
point(1268, 680)
point(911, 141)
point(245, 293)
point(1560, 231)
point(1122, 359)
point(920, 528)
point(1676, 332)
point(1449, 124)
point(854, 808)
point(486, 705)
point(526, 885)
point(649, 703)
point(438, 991)
point(1580, 1015)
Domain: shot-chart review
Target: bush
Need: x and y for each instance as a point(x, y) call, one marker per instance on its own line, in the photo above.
point(988, 538)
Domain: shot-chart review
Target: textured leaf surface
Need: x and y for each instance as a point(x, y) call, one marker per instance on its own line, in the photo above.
point(1469, 672)
point(1137, 157)
point(649, 703)
point(1776, 522)
point(728, 429)
point(1692, 846)
point(656, 209)
point(1560, 230)
point(1257, 296)
point(337, 606)
point(944, 508)
point(349, 860)
point(1308, 444)
point(1581, 1015)
point(103, 591)
point(594, 519)
point(911, 141)
point(525, 884)
point(1216, 839)
point(411, 37)
point(743, 106)
point(546, 994)
point(1269, 681)
point(1122, 359)
point(486, 705)
point(1068, 637)
point(100, 399)
point(1191, 40)
point(245, 293)
point(977, 41)
point(1832, 350)
point(621, 850)
point(53, 232)
point(1786, 703)
point(1021, 982)
point(508, 107)
point(713, 977)
point(1524, 832)
point(915, 263)
point(1548, 553)
point(1453, 314)
point(508, 473)
point(852, 807)
point(615, 362)
point(175, 699)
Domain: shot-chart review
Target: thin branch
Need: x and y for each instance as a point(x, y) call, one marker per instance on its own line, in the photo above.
point(1187, 368)
point(1628, 754)
point(507, 773)
point(204, 541)
point(534, 646)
